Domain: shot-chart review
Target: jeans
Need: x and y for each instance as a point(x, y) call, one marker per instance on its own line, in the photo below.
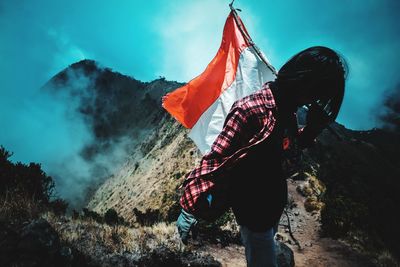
point(259, 247)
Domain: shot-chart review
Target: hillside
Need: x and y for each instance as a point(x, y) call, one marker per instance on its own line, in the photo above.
point(342, 199)
point(119, 113)
point(150, 182)
point(358, 170)
point(126, 113)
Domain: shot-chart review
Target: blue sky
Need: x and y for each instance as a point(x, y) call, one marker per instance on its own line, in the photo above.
point(176, 39)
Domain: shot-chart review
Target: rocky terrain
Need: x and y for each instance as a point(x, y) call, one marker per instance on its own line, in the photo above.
point(150, 183)
point(119, 112)
point(341, 203)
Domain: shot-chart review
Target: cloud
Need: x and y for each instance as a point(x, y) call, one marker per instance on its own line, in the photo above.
point(65, 53)
point(30, 55)
point(191, 37)
point(390, 114)
point(102, 116)
point(47, 129)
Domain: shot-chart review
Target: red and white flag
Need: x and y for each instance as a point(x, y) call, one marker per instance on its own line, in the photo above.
point(235, 72)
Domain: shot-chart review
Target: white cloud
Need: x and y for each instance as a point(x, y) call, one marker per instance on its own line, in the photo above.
point(67, 52)
point(192, 34)
point(191, 37)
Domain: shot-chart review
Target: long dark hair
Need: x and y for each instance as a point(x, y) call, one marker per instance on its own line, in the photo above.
point(319, 73)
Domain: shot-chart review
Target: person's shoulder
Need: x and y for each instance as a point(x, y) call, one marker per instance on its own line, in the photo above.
point(262, 97)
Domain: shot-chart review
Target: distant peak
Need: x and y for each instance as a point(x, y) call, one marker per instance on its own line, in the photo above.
point(88, 65)
point(89, 62)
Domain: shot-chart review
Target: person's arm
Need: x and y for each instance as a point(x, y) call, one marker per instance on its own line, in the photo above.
point(232, 134)
point(186, 223)
point(316, 121)
point(227, 142)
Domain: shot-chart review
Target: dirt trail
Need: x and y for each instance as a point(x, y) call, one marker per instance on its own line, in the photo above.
point(315, 251)
point(230, 256)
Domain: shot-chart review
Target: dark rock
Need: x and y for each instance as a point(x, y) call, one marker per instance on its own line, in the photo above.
point(33, 244)
point(66, 253)
point(36, 244)
point(160, 257)
point(8, 243)
point(39, 244)
point(198, 260)
point(166, 257)
point(284, 255)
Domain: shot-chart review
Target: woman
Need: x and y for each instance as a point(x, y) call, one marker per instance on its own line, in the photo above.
point(249, 150)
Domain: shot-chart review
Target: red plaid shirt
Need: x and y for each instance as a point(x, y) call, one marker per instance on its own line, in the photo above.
point(249, 122)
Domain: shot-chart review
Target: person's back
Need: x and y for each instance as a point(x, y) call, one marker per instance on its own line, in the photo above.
point(258, 188)
point(248, 151)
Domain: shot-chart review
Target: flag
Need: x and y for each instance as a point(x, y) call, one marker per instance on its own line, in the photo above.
point(235, 72)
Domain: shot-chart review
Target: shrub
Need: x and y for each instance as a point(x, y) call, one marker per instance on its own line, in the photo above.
point(147, 218)
point(313, 204)
point(25, 190)
point(59, 206)
point(111, 217)
point(22, 179)
point(89, 214)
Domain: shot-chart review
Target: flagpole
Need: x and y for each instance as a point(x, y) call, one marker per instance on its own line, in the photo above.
point(261, 56)
point(249, 40)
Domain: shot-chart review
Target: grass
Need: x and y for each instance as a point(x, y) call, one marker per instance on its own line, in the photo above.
point(95, 239)
point(18, 208)
point(120, 245)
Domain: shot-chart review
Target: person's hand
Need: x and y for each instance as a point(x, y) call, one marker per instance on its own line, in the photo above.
point(317, 120)
point(317, 116)
point(186, 223)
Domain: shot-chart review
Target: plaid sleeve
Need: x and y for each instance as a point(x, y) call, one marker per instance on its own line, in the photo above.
point(250, 115)
point(228, 140)
point(226, 143)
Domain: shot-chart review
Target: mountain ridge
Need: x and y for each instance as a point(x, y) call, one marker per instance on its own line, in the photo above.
point(359, 169)
point(118, 112)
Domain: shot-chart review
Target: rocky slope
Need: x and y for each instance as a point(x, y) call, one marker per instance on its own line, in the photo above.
point(150, 182)
point(114, 106)
point(357, 171)
point(352, 196)
point(118, 112)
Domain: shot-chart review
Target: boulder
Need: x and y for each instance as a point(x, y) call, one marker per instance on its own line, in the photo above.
point(35, 244)
point(8, 243)
point(284, 255)
point(39, 244)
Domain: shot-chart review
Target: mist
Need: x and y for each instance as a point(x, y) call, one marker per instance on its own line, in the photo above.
point(81, 127)
point(107, 114)
point(390, 114)
point(174, 39)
